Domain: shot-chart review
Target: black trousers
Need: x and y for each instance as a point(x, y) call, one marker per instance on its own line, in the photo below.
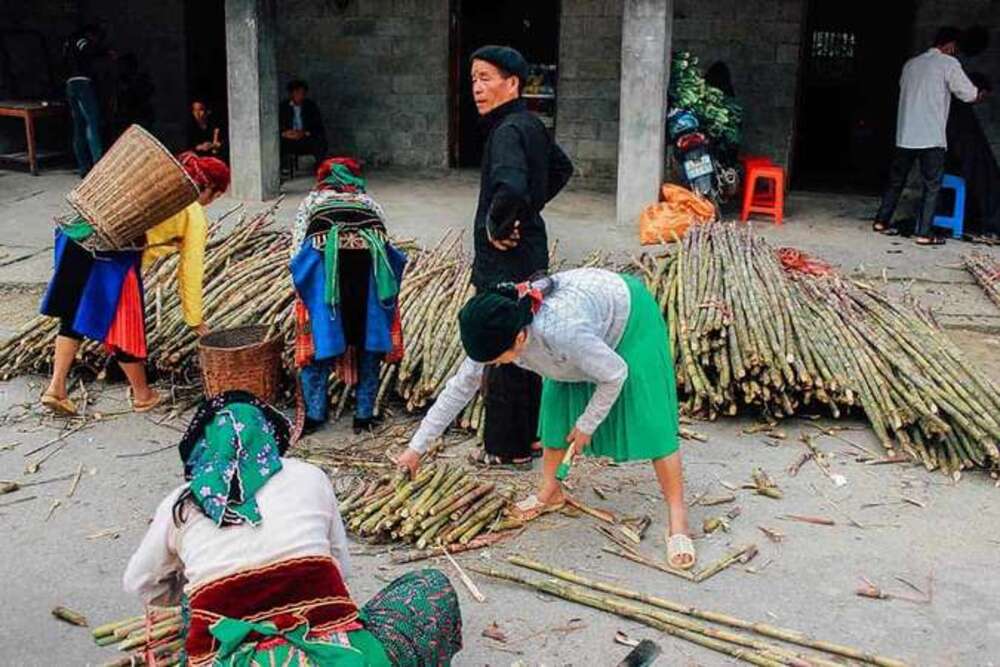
point(931, 170)
point(313, 145)
point(513, 396)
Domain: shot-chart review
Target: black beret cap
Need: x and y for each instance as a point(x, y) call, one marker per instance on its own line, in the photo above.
point(508, 59)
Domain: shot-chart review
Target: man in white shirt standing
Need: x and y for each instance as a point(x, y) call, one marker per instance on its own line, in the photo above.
point(925, 89)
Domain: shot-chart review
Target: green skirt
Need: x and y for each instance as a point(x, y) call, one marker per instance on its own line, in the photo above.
point(643, 422)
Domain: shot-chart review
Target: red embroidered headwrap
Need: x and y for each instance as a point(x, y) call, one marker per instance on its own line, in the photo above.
point(205, 171)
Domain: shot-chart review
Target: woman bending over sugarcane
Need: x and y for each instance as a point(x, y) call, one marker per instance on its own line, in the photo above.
point(97, 294)
point(253, 547)
point(600, 343)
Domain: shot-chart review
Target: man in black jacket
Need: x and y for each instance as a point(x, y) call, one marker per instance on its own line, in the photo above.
point(301, 124)
point(522, 170)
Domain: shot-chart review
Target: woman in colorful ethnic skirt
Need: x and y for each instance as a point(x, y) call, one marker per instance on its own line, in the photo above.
point(347, 278)
point(98, 294)
point(254, 548)
point(600, 343)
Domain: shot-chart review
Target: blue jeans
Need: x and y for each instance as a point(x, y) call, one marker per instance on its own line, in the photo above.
point(316, 382)
point(86, 123)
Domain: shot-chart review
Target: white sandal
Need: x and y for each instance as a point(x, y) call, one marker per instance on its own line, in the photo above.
point(531, 508)
point(679, 545)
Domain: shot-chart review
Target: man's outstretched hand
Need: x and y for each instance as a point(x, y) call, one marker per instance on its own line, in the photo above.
point(509, 242)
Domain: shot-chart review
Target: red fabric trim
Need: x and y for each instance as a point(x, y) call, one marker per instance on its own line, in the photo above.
point(128, 329)
point(396, 334)
point(326, 167)
point(287, 593)
point(346, 366)
point(304, 348)
point(526, 290)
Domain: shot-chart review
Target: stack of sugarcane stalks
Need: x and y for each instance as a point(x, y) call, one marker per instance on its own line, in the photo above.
point(752, 642)
point(441, 506)
point(247, 281)
point(986, 270)
point(158, 633)
point(746, 331)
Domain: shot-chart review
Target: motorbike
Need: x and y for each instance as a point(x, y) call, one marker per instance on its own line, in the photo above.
point(692, 151)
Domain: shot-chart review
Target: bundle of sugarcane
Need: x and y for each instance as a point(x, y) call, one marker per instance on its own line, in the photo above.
point(739, 332)
point(753, 642)
point(158, 632)
point(442, 505)
point(245, 282)
point(986, 270)
point(745, 331)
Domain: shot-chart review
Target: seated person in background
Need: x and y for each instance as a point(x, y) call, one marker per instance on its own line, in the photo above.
point(205, 137)
point(253, 547)
point(301, 124)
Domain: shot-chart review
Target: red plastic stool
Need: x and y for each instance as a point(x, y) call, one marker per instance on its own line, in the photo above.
point(772, 200)
point(749, 161)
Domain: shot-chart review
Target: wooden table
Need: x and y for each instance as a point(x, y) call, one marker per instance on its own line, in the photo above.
point(30, 111)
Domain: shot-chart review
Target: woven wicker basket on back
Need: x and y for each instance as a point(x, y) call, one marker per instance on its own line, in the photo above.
point(134, 187)
point(241, 358)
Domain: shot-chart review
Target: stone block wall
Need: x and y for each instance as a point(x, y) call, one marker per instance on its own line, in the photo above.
point(378, 71)
point(589, 76)
point(760, 40)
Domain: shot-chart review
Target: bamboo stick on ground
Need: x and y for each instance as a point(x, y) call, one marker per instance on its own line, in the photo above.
point(775, 632)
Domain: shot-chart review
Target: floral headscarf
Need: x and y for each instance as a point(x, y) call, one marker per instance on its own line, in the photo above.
point(232, 448)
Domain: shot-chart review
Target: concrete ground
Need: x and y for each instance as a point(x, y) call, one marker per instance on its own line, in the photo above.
point(892, 522)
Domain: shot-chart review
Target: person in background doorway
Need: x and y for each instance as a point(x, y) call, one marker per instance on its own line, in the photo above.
point(925, 91)
point(81, 52)
point(205, 136)
point(301, 124)
point(133, 97)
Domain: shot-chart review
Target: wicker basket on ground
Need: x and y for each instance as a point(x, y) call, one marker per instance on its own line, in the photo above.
point(241, 358)
point(134, 187)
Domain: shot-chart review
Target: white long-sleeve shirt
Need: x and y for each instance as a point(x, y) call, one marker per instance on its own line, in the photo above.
point(925, 91)
point(572, 338)
point(299, 518)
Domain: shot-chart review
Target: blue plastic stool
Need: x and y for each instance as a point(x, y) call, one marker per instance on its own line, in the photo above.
point(956, 220)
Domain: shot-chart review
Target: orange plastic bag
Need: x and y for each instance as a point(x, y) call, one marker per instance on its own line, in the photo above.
point(680, 208)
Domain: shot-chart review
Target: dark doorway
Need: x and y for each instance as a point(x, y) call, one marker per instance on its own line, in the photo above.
point(205, 29)
point(853, 53)
point(531, 27)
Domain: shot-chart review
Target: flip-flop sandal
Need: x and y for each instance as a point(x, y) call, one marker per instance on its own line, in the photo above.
point(62, 406)
point(146, 406)
point(483, 460)
point(537, 453)
point(929, 240)
point(880, 227)
point(679, 545)
point(531, 508)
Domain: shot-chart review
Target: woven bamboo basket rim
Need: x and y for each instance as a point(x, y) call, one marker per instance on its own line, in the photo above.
point(208, 342)
point(100, 240)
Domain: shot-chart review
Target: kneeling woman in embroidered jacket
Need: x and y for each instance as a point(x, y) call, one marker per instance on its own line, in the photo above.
point(254, 548)
point(598, 340)
point(347, 277)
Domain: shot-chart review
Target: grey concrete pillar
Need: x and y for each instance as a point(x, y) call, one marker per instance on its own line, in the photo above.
point(645, 72)
point(252, 72)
